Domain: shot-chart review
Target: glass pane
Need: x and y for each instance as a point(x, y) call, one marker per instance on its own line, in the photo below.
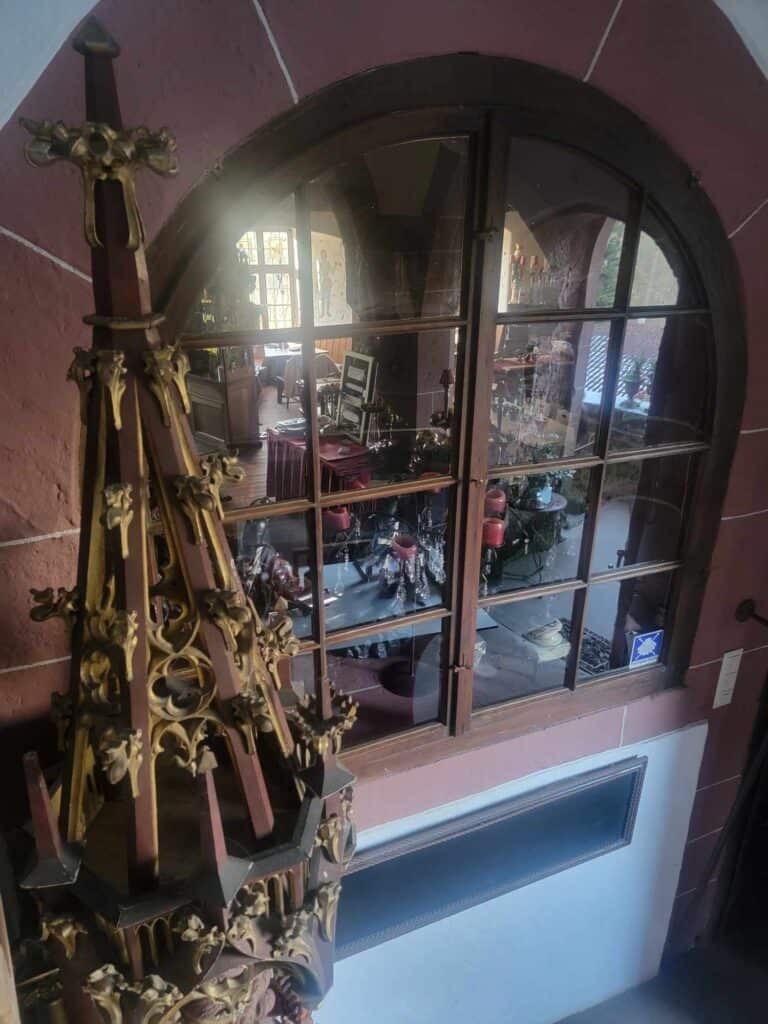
point(241, 295)
point(662, 392)
point(384, 558)
point(641, 512)
point(273, 558)
point(240, 397)
point(300, 673)
point(532, 529)
point(521, 648)
point(389, 408)
point(662, 276)
point(395, 677)
point(563, 230)
point(546, 393)
point(624, 624)
point(388, 233)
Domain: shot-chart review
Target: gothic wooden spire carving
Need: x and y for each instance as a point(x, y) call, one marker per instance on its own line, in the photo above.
point(217, 896)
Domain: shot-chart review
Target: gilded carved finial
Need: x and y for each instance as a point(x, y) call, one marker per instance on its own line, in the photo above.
point(232, 617)
point(205, 941)
point(316, 737)
point(103, 154)
point(120, 753)
point(81, 371)
point(203, 493)
point(111, 371)
point(64, 604)
point(167, 368)
point(109, 644)
point(64, 929)
point(119, 511)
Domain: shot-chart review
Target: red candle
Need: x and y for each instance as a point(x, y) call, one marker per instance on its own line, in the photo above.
point(495, 502)
point(403, 546)
point(336, 519)
point(431, 476)
point(493, 533)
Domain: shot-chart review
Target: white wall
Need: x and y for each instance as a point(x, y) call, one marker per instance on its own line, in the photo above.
point(552, 948)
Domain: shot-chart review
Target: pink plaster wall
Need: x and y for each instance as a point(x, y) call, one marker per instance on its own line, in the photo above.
point(206, 68)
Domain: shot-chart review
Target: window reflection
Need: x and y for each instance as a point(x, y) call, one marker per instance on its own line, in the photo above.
point(546, 392)
point(385, 558)
point(661, 395)
point(522, 648)
point(256, 282)
point(532, 529)
point(273, 559)
point(388, 231)
point(661, 276)
point(235, 404)
point(395, 676)
point(641, 512)
point(624, 624)
point(563, 230)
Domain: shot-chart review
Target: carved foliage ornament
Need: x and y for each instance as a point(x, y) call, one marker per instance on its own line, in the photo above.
point(118, 512)
point(203, 493)
point(108, 367)
point(64, 929)
point(206, 943)
point(103, 154)
point(64, 604)
point(155, 997)
point(108, 647)
point(167, 368)
point(316, 737)
point(119, 753)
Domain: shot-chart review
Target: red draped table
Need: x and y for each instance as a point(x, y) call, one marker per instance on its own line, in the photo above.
point(344, 465)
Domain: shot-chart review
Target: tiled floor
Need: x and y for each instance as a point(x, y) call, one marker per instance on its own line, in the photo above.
point(706, 986)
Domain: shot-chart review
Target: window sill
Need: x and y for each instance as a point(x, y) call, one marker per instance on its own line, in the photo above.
point(420, 747)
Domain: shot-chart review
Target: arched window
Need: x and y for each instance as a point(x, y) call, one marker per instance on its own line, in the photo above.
point(483, 366)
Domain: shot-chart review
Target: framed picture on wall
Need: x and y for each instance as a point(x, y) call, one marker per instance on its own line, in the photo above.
point(356, 391)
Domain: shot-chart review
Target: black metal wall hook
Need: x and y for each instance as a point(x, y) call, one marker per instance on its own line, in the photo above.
point(747, 610)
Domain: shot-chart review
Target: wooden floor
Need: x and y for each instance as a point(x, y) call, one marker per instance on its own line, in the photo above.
point(253, 459)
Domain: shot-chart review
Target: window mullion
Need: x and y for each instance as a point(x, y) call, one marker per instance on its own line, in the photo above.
point(303, 232)
point(488, 227)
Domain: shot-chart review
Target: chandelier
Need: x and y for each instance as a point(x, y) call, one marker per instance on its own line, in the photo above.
point(187, 864)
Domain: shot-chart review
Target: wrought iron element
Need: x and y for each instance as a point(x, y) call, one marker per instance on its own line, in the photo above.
point(167, 368)
point(318, 737)
point(118, 514)
point(103, 154)
point(120, 753)
point(64, 604)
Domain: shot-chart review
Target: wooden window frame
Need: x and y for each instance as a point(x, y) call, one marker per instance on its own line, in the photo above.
point(356, 115)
